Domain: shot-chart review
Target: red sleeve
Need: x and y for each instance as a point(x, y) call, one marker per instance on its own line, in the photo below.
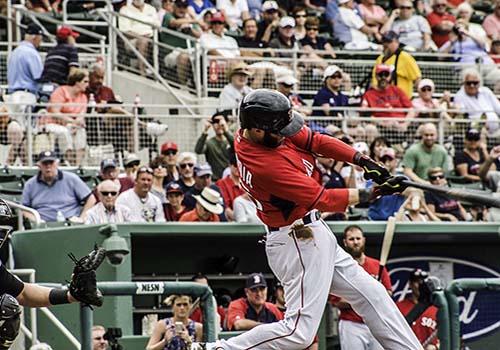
point(386, 280)
point(324, 145)
point(333, 299)
point(225, 193)
point(275, 311)
point(432, 19)
point(235, 312)
point(196, 315)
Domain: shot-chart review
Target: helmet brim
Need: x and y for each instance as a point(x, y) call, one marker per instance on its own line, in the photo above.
point(294, 126)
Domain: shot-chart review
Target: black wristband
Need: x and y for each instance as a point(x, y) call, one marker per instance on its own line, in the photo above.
point(365, 195)
point(58, 296)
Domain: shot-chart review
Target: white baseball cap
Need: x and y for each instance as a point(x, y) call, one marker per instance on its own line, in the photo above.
point(331, 70)
point(287, 21)
point(361, 147)
point(426, 82)
point(287, 79)
point(270, 5)
point(340, 2)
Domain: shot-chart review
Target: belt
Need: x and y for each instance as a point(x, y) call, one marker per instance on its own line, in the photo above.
point(309, 218)
point(25, 90)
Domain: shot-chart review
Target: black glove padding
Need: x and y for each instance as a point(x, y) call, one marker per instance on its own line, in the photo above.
point(83, 281)
point(372, 170)
point(393, 184)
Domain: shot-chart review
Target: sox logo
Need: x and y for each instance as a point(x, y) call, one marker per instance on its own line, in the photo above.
point(478, 317)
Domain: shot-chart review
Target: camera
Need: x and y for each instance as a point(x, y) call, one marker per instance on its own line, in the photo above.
point(187, 30)
point(116, 246)
point(456, 30)
point(112, 335)
point(115, 257)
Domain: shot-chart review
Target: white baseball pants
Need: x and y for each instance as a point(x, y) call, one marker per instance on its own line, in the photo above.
point(356, 336)
point(309, 270)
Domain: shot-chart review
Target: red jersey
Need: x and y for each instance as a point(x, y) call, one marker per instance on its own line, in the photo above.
point(171, 214)
point(392, 97)
point(192, 216)
point(197, 316)
point(425, 325)
point(240, 309)
point(283, 182)
point(434, 19)
point(371, 266)
point(229, 190)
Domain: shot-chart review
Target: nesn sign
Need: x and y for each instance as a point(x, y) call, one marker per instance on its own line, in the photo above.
point(149, 288)
point(479, 311)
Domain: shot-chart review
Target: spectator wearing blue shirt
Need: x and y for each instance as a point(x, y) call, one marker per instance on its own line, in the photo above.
point(330, 95)
point(53, 191)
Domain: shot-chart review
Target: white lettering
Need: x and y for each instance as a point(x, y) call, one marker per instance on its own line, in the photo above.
point(245, 174)
point(466, 316)
point(309, 167)
point(149, 288)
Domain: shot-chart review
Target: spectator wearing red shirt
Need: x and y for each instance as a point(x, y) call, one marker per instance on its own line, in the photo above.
point(174, 209)
point(353, 332)
point(230, 187)
point(207, 207)
point(247, 313)
point(426, 323)
point(441, 22)
point(197, 316)
point(387, 95)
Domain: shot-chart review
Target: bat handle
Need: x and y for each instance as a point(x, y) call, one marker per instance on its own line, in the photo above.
point(380, 270)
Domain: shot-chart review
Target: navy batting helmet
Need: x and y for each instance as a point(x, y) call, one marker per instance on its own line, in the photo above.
point(270, 111)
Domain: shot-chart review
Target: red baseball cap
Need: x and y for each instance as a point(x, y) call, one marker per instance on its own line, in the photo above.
point(66, 32)
point(169, 146)
point(383, 68)
point(218, 17)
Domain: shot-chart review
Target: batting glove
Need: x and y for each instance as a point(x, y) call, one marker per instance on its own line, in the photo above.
point(372, 170)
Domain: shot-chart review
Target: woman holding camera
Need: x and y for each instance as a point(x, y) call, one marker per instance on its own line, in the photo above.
point(177, 332)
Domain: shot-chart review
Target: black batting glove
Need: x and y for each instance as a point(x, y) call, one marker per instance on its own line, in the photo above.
point(372, 170)
point(393, 184)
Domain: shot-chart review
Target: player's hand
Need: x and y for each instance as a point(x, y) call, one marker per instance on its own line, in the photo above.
point(372, 170)
point(393, 184)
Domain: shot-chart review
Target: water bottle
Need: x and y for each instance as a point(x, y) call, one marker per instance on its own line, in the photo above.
point(60, 216)
point(145, 325)
point(137, 103)
point(92, 102)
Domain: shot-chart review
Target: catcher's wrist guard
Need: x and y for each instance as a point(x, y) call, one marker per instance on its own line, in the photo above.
point(83, 286)
point(58, 296)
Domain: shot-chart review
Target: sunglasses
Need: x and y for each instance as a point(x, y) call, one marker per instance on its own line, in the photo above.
point(336, 76)
point(109, 193)
point(217, 22)
point(426, 88)
point(405, 7)
point(383, 74)
point(300, 16)
point(169, 153)
point(440, 5)
point(185, 165)
point(312, 28)
point(287, 85)
point(161, 166)
point(436, 177)
point(130, 165)
point(145, 169)
point(470, 83)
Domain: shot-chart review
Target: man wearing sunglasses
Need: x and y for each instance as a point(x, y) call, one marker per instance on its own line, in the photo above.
point(476, 98)
point(107, 211)
point(170, 153)
point(441, 22)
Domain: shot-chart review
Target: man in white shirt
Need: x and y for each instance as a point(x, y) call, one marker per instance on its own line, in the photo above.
point(141, 34)
point(476, 98)
point(216, 42)
point(107, 211)
point(144, 206)
point(350, 28)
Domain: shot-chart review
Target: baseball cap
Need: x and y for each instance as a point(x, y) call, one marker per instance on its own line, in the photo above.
point(389, 36)
point(202, 169)
point(34, 29)
point(472, 135)
point(239, 68)
point(418, 274)
point(131, 158)
point(169, 146)
point(217, 17)
point(287, 79)
point(210, 200)
point(388, 152)
point(255, 280)
point(47, 156)
point(331, 70)
point(270, 5)
point(174, 187)
point(181, 3)
point(287, 21)
point(426, 82)
point(383, 68)
point(66, 32)
point(340, 2)
point(108, 163)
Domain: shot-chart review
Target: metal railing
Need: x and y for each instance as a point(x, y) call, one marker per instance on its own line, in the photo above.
point(20, 209)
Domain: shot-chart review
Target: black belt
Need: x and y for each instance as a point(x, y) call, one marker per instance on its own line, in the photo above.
point(307, 219)
point(25, 90)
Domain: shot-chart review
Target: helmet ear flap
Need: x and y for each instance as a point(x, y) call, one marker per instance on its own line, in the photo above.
point(10, 320)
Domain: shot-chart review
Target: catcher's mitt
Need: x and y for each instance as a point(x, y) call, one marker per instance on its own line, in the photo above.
point(83, 281)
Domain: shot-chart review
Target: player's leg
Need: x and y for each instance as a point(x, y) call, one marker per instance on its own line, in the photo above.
point(304, 267)
point(370, 300)
point(353, 335)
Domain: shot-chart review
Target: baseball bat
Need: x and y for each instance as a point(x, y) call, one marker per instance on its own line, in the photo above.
point(386, 244)
point(458, 193)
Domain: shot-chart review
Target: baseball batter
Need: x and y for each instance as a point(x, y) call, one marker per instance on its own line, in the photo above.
point(275, 154)
point(353, 332)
